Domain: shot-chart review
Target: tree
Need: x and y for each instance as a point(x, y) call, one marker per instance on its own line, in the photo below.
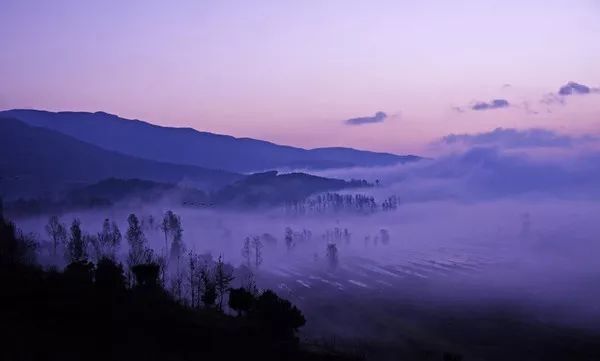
point(146, 275)
point(241, 300)
point(164, 226)
point(109, 240)
point(76, 245)
point(223, 278)
point(15, 247)
point(194, 278)
point(177, 247)
point(246, 251)
point(80, 271)
point(57, 233)
point(209, 289)
point(171, 227)
point(258, 246)
point(385, 236)
point(92, 241)
point(289, 238)
point(283, 318)
point(138, 253)
point(109, 275)
point(332, 256)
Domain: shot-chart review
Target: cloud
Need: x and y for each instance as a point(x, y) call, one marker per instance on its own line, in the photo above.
point(572, 88)
point(515, 138)
point(494, 104)
point(569, 89)
point(379, 117)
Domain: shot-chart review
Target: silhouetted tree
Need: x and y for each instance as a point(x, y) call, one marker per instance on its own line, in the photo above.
point(146, 275)
point(76, 245)
point(241, 300)
point(177, 247)
point(91, 240)
point(279, 314)
point(165, 227)
point(15, 247)
point(57, 233)
point(223, 277)
point(171, 227)
point(258, 246)
point(193, 279)
point(109, 240)
point(289, 238)
point(385, 236)
point(209, 287)
point(80, 271)
point(332, 256)
point(109, 275)
point(246, 251)
point(138, 253)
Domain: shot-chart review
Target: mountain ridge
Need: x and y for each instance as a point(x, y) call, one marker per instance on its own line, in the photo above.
point(48, 161)
point(190, 146)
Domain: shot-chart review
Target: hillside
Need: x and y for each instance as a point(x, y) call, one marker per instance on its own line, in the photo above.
point(43, 161)
point(269, 188)
point(192, 147)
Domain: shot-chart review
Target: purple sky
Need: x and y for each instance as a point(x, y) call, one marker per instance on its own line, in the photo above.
point(295, 71)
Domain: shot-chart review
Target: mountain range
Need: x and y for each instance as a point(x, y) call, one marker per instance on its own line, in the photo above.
point(188, 146)
point(37, 161)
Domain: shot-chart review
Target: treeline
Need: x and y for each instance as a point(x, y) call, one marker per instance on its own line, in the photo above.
point(256, 190)
point(338, 203)
point(333, 240)
point(99, 307)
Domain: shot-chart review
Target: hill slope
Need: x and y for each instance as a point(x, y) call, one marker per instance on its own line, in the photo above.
point(189, 146)
point(270, 188)
point(43, 160)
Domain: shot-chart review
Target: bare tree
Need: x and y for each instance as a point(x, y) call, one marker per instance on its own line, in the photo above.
point(138, 252)
point(258, 246)
point(107, 241)
point(332, 256)
point(223, 278)
point(76, 245)
point(246, 251)
point(209, 288)
point(164, 226)
point(194, 279)
point(385, 236)
point(57, 233)
point(177, 246)
point(289, 238)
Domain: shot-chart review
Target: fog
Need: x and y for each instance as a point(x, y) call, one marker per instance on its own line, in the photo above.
point(476, 228)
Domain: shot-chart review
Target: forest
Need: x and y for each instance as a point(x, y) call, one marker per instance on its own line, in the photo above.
point(138, 304)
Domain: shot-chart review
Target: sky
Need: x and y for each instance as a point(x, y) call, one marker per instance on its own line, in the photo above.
point(380, 75)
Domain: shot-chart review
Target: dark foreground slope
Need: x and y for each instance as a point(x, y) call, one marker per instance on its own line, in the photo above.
point(189, 146)
point(42, 160)
point(91, 312)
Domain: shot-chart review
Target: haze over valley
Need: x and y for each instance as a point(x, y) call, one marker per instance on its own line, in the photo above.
point(300, 181)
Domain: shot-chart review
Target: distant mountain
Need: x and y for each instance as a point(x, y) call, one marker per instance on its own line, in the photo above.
point(191, 147)
point(41, 161)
